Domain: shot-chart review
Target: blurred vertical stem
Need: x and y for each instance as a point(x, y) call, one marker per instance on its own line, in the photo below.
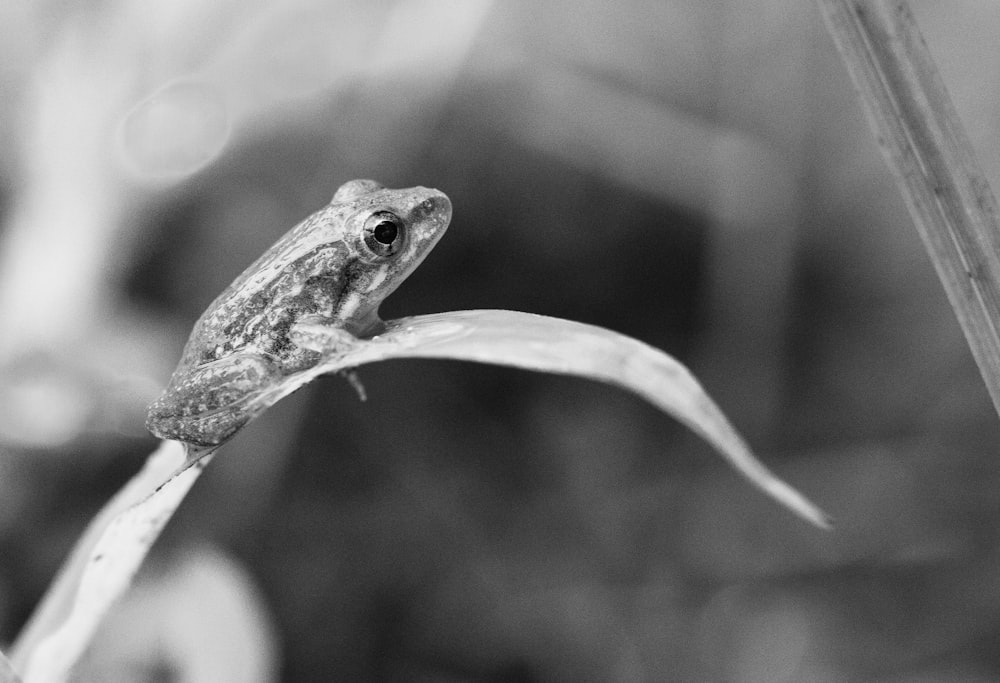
point(928, 151)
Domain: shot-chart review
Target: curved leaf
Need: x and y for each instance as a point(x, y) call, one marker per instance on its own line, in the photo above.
point(545, 344)
point(103, 564)
point(108, 555)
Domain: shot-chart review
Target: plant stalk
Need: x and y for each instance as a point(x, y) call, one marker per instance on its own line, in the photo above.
point(928, 151)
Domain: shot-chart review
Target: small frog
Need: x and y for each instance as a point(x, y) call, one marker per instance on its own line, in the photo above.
point(333, 269)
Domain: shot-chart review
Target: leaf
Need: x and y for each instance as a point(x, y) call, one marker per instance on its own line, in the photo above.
point(108, 555)
point(535, 342)
point(103, 564)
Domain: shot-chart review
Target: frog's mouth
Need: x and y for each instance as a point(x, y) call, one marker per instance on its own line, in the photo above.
point(428, 219)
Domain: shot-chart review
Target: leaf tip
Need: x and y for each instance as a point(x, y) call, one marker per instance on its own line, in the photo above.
point(820, 519)
point(804, 508)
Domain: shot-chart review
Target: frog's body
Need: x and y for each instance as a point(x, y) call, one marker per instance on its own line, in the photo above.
point(334, 268)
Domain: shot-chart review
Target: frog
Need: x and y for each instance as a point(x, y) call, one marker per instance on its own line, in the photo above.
point(331, 271)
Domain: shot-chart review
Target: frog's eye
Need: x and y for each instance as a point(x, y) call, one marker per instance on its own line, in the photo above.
point(383, 234)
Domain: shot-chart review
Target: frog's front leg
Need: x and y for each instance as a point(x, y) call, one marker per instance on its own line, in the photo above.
point(316, 334)
point(319, 335)
point(209, 403)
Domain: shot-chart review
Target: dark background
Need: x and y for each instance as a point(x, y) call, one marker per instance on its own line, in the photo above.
point(698, 175)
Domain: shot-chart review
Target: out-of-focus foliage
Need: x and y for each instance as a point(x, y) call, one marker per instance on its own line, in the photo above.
point(211, 625)
point(102, 567)
point(694, 174)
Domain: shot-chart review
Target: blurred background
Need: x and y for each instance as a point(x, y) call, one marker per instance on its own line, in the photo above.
point(696, 174)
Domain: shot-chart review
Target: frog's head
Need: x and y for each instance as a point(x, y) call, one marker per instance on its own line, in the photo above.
point(389, 232)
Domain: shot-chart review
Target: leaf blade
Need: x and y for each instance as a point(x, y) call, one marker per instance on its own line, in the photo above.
point(102, 564)
point(545, 344)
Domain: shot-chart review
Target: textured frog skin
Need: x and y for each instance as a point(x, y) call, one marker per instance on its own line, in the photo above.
point(323, 271)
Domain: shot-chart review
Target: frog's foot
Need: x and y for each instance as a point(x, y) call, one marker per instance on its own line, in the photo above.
point(213, 401)
point(317, 334)
point(352, 378)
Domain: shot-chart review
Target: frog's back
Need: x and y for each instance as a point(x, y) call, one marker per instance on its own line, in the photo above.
point(246, 316)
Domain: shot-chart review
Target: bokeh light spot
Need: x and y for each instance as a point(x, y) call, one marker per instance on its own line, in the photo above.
point(175, 131)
